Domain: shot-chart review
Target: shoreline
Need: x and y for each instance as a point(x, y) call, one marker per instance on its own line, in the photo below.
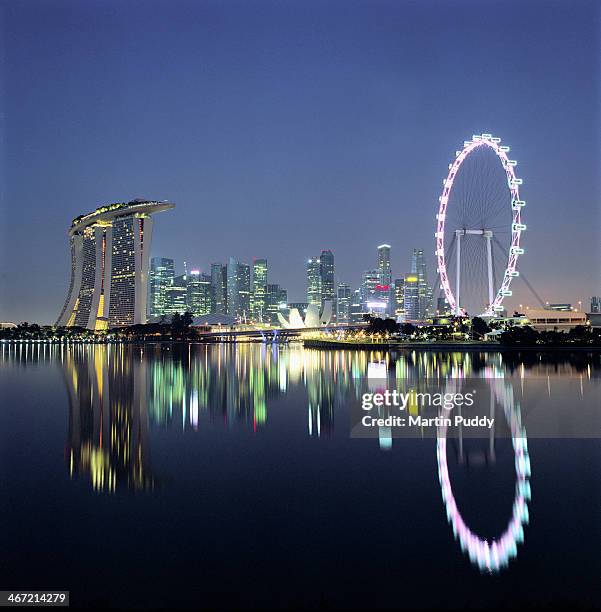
point(442, 346)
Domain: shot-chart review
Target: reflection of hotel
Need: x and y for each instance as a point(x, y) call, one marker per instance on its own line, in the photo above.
point(110, 250)
point(108, 422)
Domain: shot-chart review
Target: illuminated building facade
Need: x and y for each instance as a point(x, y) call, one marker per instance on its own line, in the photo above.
point(275, 298)
point(411, 297)
point(326, 272)
point(238, 289)
point(218, 288)
point(259, 293)
point(199, 293)
point(596, 304)
point(399, 299)
point(418, 267)
point(314, 281)
point(110, 250)
point(343, 303)
point(162, 274)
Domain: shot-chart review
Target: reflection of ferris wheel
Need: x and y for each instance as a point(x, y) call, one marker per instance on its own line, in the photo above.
point(479, 227)
point(492, 555)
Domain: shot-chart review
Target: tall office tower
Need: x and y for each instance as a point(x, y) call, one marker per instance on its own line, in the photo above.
point(384, 264)
point(343, 304)
point(371, 294)
point(218, 288)
point(162, 273)
point(199, 293)
point(238, 289)
point(596, 304)
point(386, 288)
point(276, 299)
point(399, 299)
point(177, 296)
point(110, 250)
point(418, 267)
point(259, 294)
point(356, 308)
point(326, 272)
point(314, 281)
point(411, 297)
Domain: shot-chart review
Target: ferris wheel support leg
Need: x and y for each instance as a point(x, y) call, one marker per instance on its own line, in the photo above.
point(458, 273)
point(491, 297)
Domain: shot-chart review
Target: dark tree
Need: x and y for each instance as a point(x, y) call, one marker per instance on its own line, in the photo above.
point(479, 327)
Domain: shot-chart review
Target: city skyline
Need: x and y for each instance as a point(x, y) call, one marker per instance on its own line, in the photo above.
point(334, 132)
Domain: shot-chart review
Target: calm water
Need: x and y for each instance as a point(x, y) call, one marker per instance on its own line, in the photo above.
point(225, 476)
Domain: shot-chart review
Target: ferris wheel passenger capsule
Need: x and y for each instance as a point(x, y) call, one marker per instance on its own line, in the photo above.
point(504, 148)
point(518, 227)
point(486, 136)
point(507, 293)
point(496, 140)
point(498, 308)
point(513, 273)
point(515, 204)
point(517, 250)
point(516, 181)
point(511, 162)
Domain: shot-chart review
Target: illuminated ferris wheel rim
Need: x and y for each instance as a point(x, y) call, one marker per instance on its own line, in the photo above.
point(513, 183)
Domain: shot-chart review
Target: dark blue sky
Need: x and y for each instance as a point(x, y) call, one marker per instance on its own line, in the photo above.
point(281, 128)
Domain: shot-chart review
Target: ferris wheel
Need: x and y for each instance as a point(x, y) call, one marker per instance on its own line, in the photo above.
point(479, 227)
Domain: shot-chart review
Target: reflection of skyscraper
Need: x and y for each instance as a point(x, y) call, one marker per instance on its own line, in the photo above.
point(238, 289)
point(259, 303)
point(314, 281)
point(162, 273)
point(110, 250)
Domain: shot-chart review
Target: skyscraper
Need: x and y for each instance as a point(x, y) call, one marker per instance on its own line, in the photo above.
point(314, 281)
point(238, 289)
point(384, 264)
point(110, 250)
point(276, 298)
point(373, 297)
point(177, 296)
point(162, 273)
point(218, 288)
point(596, 304)
point(418, 267)
point(356, 308)
point(326, 272)
point(411, 297)
point(199, 293)
point(343, 304)
point(259, 294)
point(399, 299)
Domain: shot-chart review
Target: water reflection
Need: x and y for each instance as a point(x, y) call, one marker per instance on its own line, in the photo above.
point(495, 554)
point(117, 394)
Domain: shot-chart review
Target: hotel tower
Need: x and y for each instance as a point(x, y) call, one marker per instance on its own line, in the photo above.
point(110, 250)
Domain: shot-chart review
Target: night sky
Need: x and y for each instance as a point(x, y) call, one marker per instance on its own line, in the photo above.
point(283, 128)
